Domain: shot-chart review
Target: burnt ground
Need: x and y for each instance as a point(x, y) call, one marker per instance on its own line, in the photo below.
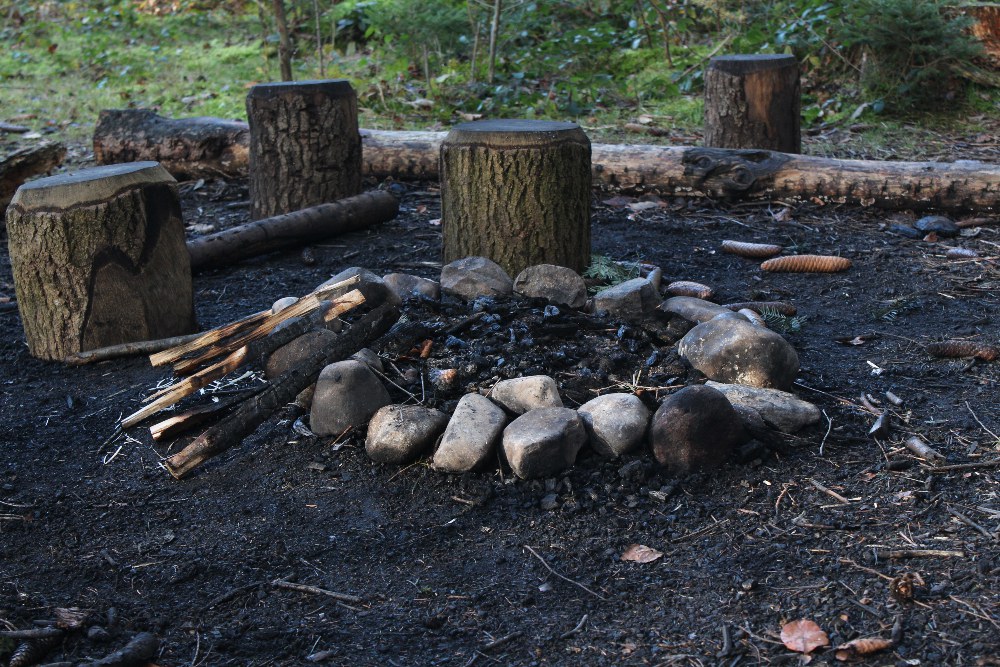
point(486, 569)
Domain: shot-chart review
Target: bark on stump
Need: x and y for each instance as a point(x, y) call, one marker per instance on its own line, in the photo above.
point(98, 258)
point(753, 101)
point(517, 192)
point(305, 148)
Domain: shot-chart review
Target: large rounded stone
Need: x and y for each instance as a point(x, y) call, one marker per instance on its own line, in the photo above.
point(632, 300)
point(412, 287)
point(371, 286)
point(737, 352)
point(347, 394)
point(543, 442)
point(615, 423)
point(519, 395)
point(556, 284)
point(474, 277)
point(692, 309)
point(470, 440)
point(695, 429)
point(779, 409)
point(400, 433)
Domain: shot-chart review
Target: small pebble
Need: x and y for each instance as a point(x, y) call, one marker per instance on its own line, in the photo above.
point(549, 502)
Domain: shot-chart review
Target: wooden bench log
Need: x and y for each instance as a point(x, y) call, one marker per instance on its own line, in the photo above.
point(26, 162)
point(98, 258)
point(947, 186)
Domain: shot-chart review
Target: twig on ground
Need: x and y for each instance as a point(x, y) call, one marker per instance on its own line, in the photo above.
point(34, 633)
point(917, 445)
point(922, 553)
point(969, 522)
point(966, 466)
point(567, 579)
point(304, 588)
point(983, 426)
point(833, 494)
point(579, 626)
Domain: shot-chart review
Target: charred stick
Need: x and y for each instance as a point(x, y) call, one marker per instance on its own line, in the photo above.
point(917, 445)
point(244, 419)
point(314, 590)
point(139, 651)
point(128, 350)
point(35, 633)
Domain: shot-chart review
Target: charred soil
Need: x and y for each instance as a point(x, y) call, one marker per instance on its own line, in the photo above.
point(487, 569)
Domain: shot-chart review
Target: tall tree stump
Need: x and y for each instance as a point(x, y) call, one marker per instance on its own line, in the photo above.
point(305, 147)
point(517, 192)
point(753, 101)
point(99, 258)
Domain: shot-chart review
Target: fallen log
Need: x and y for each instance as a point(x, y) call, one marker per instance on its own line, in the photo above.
point(290, 229)
point(245, 418)
point(692, 171)
point(26, 162)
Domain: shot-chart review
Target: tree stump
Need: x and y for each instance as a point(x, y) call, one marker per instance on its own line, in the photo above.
point(752, 101)
point(305, 147)
point(517, 192)
point(98, 258)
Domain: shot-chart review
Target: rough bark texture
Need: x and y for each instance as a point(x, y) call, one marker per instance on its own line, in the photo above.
point(305, 148)
point(290, 229)
point(517, 192)
point(201, 147)
point(98, 259)
point(753, 101)
point(26, 162)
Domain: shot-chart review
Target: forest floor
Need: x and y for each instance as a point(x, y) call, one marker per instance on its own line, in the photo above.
point(486, 569)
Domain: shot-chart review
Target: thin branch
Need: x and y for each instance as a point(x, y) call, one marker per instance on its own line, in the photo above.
point(567, 579)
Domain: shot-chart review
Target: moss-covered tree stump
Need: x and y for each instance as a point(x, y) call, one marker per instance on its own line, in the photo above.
point(98, 258)
point(305, 147)
point(517, 192)
point(753, 101)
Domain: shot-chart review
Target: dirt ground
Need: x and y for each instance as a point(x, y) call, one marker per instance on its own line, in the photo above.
point(485, 569)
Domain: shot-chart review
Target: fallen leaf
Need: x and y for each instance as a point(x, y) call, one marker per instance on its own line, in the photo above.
point(863, 646)
point(803, 636)
point(640, 553)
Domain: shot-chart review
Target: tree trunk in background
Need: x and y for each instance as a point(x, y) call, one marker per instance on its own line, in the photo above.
point(305, 148)
point(98, 258)
point(284, 40)
point(186, 147)
point(517, 192)
point(753, 101)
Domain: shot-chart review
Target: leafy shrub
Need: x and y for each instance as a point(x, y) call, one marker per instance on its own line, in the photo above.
point(914, 51)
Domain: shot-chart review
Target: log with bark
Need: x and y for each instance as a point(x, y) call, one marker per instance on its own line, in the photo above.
point(289, 229)
point(736, 174)
point(26, 162)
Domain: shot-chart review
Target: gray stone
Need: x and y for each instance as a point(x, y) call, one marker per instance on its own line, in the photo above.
point(473, 277)
point(519, 395)
point(473, 433)
point(347, 394)
point(549, 502)
point(692, 309)
point(291, 354)
point(556, 284)
point(370, 285)
point(938, 224)
point(369, 357)
point(615, 423)
point(735, 351)
point(282, 303)
point(543, 442)
point(401, 433)
point(410, 287)
point(695, 429)
point(632, 300)
point(779, 409)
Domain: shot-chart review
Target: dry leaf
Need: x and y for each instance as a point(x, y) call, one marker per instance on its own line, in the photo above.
point(803, 636)
point(618, 201)
point(640, 553)
point(643, 205)
point(858, 647)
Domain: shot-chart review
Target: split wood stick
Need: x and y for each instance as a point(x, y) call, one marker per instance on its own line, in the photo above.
point(303, 306)
point(289, 229)
point(174, 426)
point(245, 418)
point(917, 445)
point(128, 349)
point(305, 588)
point(210, 336)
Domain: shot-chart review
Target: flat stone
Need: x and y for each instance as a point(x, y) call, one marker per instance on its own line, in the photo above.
point(472, 435)
point(938, 224)
point(695, 429)
point(473, 277)
point(543, 442)
point(692, 309)
point(412, 287)
point(370, 285)
point(735, 351)
point(519, 395)
point(291, 354)
point(400, 433)
point(633, 300)
point(347, 394)
point(779, 409)
point(615, 423)
point(558, 285)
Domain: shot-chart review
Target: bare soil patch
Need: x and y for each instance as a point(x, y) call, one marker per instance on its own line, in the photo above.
point(487, 569)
